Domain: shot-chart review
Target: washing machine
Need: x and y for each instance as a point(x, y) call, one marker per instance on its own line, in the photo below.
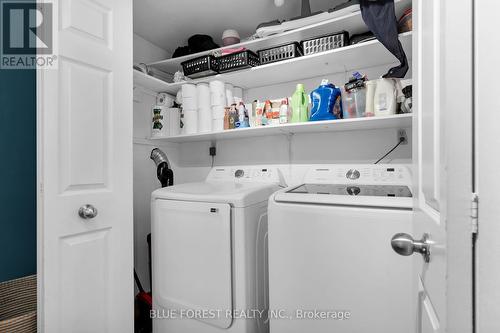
point(331, 265)
point(210, 252)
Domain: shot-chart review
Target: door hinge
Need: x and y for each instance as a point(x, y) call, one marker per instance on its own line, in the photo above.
point(474, 213)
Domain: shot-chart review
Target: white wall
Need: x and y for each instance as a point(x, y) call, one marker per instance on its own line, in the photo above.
point(144, 169)
point(147, 52)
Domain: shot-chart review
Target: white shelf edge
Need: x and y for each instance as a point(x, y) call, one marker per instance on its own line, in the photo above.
point(232, 77)
point(396, 121)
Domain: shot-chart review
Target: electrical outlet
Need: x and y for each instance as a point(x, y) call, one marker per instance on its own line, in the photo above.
point(402, 134)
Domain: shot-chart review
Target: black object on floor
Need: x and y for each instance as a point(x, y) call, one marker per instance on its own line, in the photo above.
point(380, 17)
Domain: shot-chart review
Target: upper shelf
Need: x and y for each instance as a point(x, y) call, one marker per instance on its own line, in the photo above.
point(344, 59)
point(352, 22)
point(396, 121)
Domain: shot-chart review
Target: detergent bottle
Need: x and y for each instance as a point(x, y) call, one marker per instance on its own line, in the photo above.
point(326, 102)
point(299, 105)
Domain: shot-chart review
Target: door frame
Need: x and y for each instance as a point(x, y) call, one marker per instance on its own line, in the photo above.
point(457, 120)
point(487, 181)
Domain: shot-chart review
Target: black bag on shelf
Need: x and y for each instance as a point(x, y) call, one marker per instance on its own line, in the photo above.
point(200, 43)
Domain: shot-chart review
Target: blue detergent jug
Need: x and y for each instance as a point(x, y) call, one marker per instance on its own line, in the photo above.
point(326, 102)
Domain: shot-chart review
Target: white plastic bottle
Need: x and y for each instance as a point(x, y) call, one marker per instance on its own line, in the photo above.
point(385, 97)
point(370, 96)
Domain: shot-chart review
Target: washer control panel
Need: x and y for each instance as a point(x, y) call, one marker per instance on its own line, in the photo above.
point(359, 174)
point(246, 174)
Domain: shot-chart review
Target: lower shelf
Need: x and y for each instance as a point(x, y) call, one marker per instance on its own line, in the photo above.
point(396, 121)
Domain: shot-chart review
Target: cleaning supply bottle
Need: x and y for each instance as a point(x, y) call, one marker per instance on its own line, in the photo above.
point(299, 105)
point(326, 102)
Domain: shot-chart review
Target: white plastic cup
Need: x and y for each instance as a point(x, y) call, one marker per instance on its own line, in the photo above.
point(218, 112)
point(175, 121)
point(217, 93)
point(238, 92)
point(229, 94)
point(188, 90)
point(165, 99)
point(205, 120)
point(190, 103)
point(190, 121)
point(218, 125)
point(203, 95)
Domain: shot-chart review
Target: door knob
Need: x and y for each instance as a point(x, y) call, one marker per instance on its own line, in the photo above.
point(405, 245)
point(87, 212)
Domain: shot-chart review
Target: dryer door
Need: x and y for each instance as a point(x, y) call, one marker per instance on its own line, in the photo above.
point(192, 260)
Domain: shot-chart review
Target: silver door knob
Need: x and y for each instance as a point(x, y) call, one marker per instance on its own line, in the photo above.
point(405, 245)
point(87, 212)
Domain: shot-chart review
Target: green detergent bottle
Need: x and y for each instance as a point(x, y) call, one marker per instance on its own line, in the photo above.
point(299, 105)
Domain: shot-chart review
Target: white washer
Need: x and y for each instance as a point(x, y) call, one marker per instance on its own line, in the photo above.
point(330, 253)
point(210, 252)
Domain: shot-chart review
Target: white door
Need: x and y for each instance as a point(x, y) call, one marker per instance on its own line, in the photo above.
point(443, 151)
point(85, 157)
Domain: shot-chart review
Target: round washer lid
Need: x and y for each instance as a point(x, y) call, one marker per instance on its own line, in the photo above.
point(237, 194)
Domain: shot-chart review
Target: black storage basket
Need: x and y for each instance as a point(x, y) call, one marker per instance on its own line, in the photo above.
point(201, 66)
point(237, 61)
point(279, 53)
point(325, 43)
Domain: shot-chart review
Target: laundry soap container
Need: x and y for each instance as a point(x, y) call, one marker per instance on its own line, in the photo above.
point(354, 98)
point(326, 102)
point(299, 105)
point(384, 102)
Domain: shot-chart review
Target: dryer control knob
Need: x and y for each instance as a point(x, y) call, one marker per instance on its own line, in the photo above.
point(239, 173)
point(353, 174)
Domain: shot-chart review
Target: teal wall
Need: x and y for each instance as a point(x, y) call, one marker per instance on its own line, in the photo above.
point(17, 173)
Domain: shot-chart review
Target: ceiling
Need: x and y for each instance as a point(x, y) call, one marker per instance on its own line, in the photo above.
point(169, 23)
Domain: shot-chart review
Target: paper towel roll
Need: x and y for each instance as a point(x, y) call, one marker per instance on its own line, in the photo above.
point(204, 120)
point(189, 103)
point(203, 95)
point(175, 121)
point(217, 93)
point(218, 112)
point(188, 90)
point(178, 97)
point(238, 92)
point(217, 125)
point(165, 99)
point(190, 121)
point(229, 94)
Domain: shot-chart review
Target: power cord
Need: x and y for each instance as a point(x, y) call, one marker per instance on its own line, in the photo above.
point(401, 140)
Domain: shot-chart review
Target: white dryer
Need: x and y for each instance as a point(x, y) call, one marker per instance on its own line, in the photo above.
point(210, 252)
point(331, 265)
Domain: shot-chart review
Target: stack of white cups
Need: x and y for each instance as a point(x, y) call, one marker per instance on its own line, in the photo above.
point(189, 109)
point(204, 108)
point(238, 95)
point(229, 94)
point(217, 102)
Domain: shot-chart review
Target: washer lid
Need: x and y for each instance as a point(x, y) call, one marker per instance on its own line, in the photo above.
point(388, 196)
point(237, 194)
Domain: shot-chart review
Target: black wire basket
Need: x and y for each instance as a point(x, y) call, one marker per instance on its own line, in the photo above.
point(280, 53)
point(325, 43)
point(202, 66)
point(237, 61)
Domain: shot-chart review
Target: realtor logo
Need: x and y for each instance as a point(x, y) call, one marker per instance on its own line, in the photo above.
point(28, 34)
